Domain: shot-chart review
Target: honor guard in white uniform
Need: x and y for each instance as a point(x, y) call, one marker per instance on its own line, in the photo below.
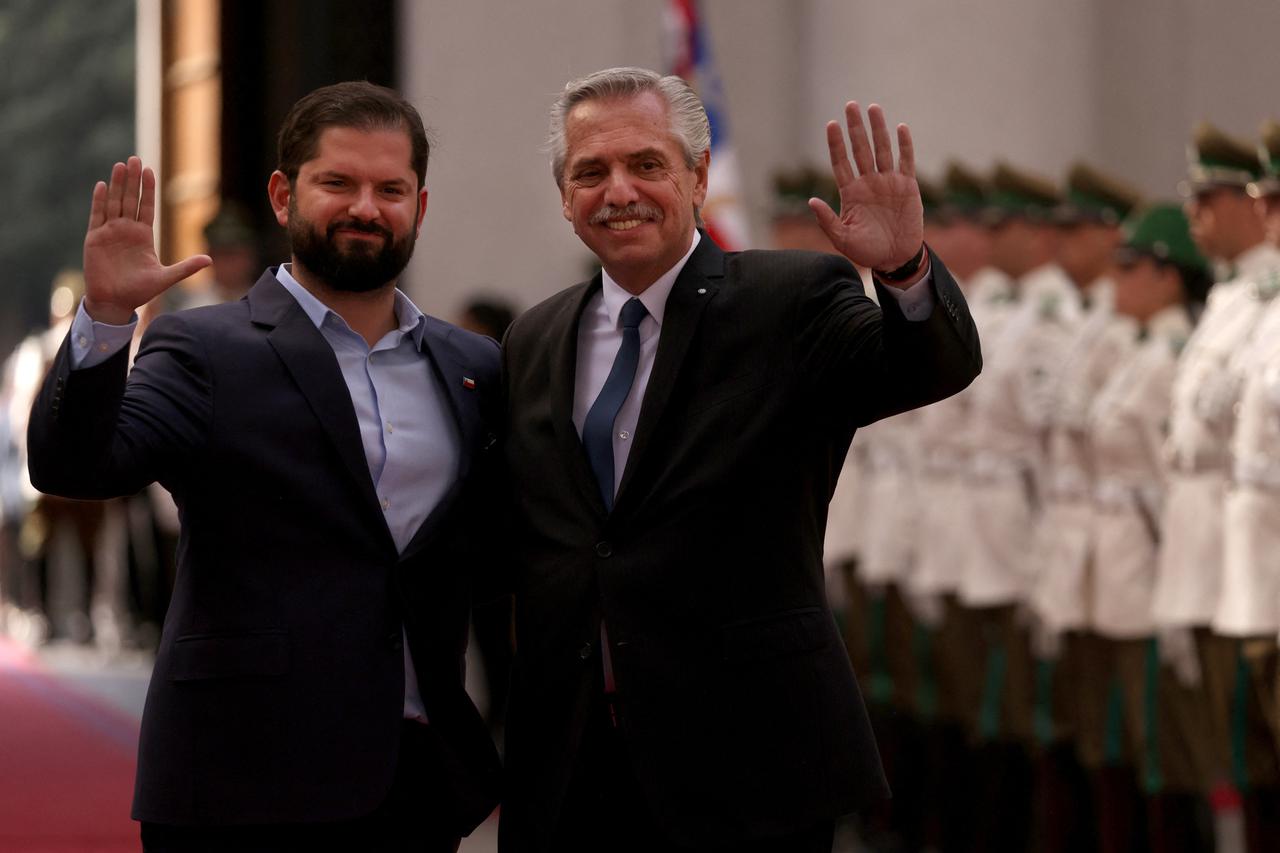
point(1006, 483)
point(961, 234)
point(1133, 743)
point(1248, 607)
point(1010, 400)
point(1202, 419)
point(1090, 224)
point(1089, 233)
point(949, 680)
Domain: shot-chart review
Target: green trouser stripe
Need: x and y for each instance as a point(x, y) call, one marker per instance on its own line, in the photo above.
point(1113, 738)
point(1154, 777)
point(992, 689)
point(926, 680)
point(881, 682)
point(1044, 701)
point(1239, 710)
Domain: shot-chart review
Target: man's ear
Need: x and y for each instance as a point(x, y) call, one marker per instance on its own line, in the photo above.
point(566, 203)
point(279, 190)
point(700, 170)
point(422, 210)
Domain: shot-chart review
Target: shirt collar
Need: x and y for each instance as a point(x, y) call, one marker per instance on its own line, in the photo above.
point(654, 296)
point(410, 318)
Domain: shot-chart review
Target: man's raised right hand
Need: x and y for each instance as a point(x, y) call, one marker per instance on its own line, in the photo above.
point(121, 270)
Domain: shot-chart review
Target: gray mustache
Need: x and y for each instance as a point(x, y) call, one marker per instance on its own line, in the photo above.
point(635, 210)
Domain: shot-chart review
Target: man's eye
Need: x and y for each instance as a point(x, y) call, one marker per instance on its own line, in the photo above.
point(396, 191)
point(590, 176)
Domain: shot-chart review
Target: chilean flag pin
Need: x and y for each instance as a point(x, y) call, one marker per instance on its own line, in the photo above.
point(468, 383)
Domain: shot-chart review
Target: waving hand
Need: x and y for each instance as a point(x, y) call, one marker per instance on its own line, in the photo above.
point(881, 219)
point(121, 270)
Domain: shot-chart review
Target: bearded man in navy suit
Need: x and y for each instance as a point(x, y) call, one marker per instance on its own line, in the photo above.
point(328, 447)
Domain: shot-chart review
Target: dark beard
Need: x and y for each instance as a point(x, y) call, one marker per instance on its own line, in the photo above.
point(357, 269)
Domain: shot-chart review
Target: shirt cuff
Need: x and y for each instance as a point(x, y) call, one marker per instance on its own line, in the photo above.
point(916, 302)
point(93, 343)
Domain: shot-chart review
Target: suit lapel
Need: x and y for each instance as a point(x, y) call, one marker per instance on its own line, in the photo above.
point(313, 366)
point(563, 382)
point(693, 290)
point(450, 371)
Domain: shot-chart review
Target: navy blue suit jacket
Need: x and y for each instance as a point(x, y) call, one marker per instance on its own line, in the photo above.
point(278, 688)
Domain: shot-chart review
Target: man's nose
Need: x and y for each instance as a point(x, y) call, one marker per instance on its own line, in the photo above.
point(363, 205)
point(620, 189)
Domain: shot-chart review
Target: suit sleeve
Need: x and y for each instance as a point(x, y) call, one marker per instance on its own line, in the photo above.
point(94, 434)
point(869, 362)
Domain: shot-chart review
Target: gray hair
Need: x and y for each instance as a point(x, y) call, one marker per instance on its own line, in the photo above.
point(689, 122)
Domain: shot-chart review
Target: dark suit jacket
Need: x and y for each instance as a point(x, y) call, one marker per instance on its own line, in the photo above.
point(278, 688)
point(743, 717)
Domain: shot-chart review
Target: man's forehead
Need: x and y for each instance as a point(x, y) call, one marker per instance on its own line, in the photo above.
point(641, 120)
point(1212, 193)
point(346, 147)
point(342, 138)
point(639, 151)
point(605, 105)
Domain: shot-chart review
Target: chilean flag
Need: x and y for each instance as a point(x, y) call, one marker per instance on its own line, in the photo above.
point(690, 57)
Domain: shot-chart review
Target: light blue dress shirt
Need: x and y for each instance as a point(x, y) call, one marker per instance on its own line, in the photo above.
point(410, 437)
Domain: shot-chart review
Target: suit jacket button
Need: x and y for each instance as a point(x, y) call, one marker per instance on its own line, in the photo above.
point(585, 652)
point(396, 640)
point(604, 549)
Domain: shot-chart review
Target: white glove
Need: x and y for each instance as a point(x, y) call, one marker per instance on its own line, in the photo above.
point(1178, 650)
point(1046, 643)
point(925, 608)
point(1217, 397)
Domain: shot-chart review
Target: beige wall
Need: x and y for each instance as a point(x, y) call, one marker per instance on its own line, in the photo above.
point(1041, 82)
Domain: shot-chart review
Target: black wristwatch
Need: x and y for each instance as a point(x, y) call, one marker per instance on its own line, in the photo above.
point(905, 272)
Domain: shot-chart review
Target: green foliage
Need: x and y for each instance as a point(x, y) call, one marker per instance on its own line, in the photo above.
point(67, 86)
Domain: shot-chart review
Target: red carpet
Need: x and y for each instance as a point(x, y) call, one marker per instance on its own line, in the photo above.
point(66, 765)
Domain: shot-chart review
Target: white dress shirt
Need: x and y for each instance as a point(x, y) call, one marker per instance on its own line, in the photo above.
point(600, 338)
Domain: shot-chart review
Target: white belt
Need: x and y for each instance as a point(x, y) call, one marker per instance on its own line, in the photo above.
point(990, 467)
point(1069, 484)
point(1259, 473)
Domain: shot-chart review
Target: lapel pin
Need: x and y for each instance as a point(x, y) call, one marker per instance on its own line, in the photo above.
point(468, 383)
point(702, 290)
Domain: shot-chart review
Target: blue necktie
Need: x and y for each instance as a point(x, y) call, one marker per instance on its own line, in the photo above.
point(597, 429)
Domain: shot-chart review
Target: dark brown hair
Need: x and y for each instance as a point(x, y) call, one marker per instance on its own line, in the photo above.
point(356, 104)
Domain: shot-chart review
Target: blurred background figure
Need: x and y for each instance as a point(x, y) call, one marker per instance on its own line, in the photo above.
point(1128, 706)
point(1089, 233)
point(1248, 608)
point(235, 248)
point(1204, 401)
point(1006, 481)
point(69, 555)
point(791, 223)
point(945, 633)
point(488, 315)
